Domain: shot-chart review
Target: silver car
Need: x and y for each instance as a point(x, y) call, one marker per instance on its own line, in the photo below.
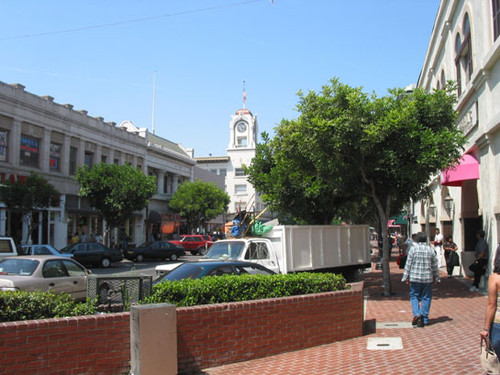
point(44, 273)
point(43, 249)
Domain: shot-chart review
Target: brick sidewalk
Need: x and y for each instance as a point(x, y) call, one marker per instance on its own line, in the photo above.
point(449, 345)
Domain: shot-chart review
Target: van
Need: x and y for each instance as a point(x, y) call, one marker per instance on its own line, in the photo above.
point(7, 247)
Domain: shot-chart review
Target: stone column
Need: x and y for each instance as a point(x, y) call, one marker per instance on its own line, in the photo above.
point(15, 142)
point(175, 183)
point(161, 182)
point(65, 153)
point(45, 151)
point(153, 339)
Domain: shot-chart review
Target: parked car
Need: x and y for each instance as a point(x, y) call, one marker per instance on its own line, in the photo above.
point(45, 273)
point(8, 247)
point(195, 243)
point(197, 270)
point(93, 254)
point(42, 250)
point(156, 250)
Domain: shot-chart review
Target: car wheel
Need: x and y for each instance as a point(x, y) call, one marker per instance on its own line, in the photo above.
point(139, 258)
point(202, 250)
point(194, 252)
point(173, 257)
point(105, 263)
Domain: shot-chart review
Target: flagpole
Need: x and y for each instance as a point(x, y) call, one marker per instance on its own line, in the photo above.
point(154, 94)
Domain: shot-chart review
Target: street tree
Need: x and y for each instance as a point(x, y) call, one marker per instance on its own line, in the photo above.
point(29, 195)
point(115, 191)
point(347, 146)
point(199, 202)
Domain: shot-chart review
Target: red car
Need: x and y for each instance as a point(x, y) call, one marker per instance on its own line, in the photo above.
point(195, 243)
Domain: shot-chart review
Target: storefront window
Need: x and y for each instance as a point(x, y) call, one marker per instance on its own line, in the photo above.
point(29, 151)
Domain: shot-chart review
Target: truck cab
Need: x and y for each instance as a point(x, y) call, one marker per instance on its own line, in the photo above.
point(256, 250)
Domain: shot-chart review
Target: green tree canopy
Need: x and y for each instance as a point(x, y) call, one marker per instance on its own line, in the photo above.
point(198, 202)
point(347, 146)
point(115, 191)
point(28, 195)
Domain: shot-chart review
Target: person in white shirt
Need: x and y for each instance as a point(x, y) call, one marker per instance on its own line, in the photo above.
point(438, 245)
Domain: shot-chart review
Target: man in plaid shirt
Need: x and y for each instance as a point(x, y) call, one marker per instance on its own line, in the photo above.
point(421, 271)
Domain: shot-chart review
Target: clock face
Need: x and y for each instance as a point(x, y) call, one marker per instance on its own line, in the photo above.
point(241, 126)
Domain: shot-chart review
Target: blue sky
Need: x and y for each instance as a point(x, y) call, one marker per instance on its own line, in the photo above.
point(101, 56)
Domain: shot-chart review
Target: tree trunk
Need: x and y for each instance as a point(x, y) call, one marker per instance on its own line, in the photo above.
point(386, 272)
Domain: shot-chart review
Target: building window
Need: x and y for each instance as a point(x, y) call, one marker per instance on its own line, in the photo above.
point(104, 158)
point(496, 19)
point(73, 153)
point(214, 171)
point(4, 145)
point(89, 159)
point(463, 58)
point(30, 151)
point(242, 141)
point(55, 157)
point(223, 171)
point(240, 189)
point(443, 80)
point(239, 172)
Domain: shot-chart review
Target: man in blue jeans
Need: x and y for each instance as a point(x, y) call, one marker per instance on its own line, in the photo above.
point(421, 272)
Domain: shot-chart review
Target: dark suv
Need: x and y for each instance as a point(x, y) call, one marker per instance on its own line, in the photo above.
point(92, 253)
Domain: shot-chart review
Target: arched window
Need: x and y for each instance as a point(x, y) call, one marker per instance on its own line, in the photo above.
point(443, 80)
point(463, 58)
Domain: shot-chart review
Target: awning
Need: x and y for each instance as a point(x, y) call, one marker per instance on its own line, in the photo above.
point(390, 224)
point(467, 169)
point(401, 219)
point(154, 217)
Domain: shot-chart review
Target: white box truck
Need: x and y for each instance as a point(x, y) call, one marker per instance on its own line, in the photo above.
point(294, 248)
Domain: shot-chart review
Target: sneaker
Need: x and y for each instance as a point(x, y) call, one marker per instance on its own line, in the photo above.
point(473, 289)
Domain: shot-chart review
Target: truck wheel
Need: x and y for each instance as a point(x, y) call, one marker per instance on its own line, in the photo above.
point(173, 257)
point(194, 252)
point(139, 258)
point(105, 263)
point(202, 250)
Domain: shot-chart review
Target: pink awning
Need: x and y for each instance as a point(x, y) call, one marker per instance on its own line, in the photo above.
point(390, 224)
point(466, 169)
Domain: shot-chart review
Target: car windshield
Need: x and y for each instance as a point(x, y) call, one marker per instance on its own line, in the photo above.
point(226, 250)
point(21, 267)
point(145, 244)
point(184, 271)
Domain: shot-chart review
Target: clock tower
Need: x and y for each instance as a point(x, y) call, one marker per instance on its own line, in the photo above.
point(243, 130)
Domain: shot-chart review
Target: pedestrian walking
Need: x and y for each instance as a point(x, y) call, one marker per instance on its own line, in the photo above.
point(492, 319)
point(450, 255)
point(421, 272)
point(482, 254)
point(75, 238)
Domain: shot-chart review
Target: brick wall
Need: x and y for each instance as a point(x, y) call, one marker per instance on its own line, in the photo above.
point(213, 335)
point(207, 336)
point(97, 344)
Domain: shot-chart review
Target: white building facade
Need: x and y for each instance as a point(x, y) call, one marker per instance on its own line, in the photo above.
point(465, 47)
point(51, 139)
